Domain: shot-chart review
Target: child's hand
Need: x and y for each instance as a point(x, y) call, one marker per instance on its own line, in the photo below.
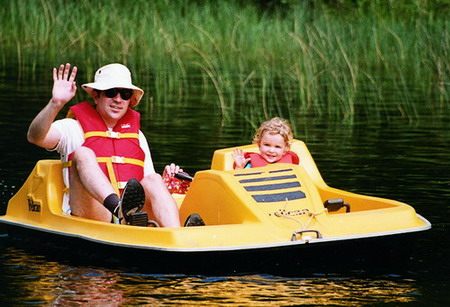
point(239, 159)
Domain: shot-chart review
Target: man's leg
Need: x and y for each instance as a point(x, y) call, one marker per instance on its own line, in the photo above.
point(88, 187)
point(159, 201)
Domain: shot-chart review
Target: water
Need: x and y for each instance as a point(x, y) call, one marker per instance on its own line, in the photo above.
point(37, 281)
point(396, 158)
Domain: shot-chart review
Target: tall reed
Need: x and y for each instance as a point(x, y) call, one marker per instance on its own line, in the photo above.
point(300, 61)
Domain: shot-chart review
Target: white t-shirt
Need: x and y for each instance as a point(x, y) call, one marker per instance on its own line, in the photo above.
point(72, 137)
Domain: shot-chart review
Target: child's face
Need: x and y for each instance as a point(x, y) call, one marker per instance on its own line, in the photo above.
point(272, 147)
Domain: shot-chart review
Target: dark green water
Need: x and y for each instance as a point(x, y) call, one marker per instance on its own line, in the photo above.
point(397, 158)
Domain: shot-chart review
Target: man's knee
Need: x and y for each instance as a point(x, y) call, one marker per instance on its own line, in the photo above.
point(83, 153)
point(153, 183)
point(152, 179)
point(82, 150)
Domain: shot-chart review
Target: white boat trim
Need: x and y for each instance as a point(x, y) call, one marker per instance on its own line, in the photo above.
point(221, 248)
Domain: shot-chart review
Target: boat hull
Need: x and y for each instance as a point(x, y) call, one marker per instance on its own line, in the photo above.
point(378, 254)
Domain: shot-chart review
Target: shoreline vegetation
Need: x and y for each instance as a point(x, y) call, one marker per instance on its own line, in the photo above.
point(339, 59)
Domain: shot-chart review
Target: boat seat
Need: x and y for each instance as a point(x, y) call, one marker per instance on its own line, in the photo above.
point(336, 204)
point(223, 158)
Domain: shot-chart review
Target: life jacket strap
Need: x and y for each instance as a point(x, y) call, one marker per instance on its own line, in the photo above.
point(113, 159)
point(117, 185)
point(120, 160)
point(111, 134)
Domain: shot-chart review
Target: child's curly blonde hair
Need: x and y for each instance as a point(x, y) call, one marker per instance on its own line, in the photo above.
point(275, 125)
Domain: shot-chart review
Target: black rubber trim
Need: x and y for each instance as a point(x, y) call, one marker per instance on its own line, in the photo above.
point(275, 186)
point(248, 174)
point(267, 178)
point(269, 198)
point(281, 170)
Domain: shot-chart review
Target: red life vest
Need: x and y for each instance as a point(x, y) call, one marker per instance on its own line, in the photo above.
point(257, 160)
point(118, 152)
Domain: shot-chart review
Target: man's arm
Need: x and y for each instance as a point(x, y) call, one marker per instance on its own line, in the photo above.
point(40, 131)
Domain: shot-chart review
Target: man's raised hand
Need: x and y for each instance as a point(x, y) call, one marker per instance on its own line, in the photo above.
point(64, 86)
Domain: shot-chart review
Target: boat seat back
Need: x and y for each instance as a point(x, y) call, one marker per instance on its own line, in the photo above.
point(223, 159)
point(42, 191)
point(249, 195)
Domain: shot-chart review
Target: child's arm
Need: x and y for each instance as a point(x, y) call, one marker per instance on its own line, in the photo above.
point(239, 159)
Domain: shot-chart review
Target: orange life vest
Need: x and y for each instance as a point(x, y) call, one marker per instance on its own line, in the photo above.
point(257, 160)
point(118, 152)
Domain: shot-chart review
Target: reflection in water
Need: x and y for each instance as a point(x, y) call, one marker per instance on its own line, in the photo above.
point(269, 290)
point(32, 279)
point(86, 286)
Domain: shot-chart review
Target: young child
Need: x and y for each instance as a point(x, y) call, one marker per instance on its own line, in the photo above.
point(273, 138)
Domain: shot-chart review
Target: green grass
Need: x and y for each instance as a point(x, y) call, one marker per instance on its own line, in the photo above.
point(300, 61)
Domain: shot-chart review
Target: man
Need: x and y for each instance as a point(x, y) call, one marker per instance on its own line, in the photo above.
point(104, 149)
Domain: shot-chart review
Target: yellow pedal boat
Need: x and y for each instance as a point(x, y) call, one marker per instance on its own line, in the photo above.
point(281, 219)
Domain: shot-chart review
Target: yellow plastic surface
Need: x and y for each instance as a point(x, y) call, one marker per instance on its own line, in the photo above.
point(288, 198)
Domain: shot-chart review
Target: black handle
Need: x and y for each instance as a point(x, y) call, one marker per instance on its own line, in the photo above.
point(184, 176)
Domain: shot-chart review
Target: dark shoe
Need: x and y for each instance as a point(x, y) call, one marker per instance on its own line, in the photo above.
point(194, 220)
point(138, 219)
point(132, 201)
point(141, 219)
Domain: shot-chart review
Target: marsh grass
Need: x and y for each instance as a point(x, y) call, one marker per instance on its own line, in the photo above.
point(302, 61)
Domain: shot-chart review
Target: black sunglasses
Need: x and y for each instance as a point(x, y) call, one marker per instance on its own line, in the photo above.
point(125, 93)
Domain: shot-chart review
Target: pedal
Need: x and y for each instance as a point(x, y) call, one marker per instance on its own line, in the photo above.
point(138, 219)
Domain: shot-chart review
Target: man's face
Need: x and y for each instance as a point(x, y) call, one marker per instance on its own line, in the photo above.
point(111, 109)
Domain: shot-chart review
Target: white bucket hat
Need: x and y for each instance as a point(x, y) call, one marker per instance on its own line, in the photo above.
point(114, 76)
